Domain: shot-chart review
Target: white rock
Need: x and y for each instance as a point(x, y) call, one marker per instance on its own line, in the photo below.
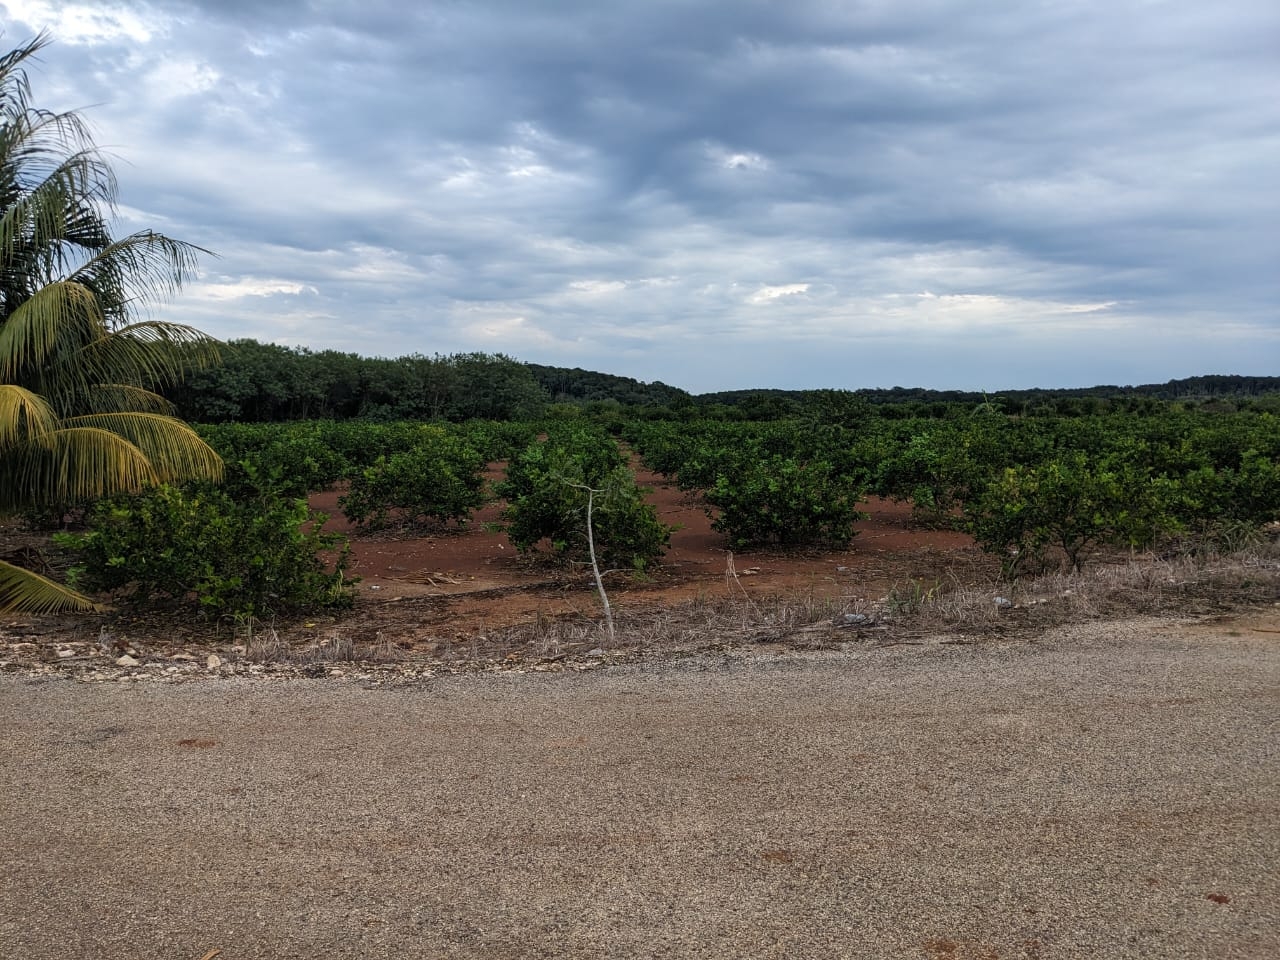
point(127, 661)
point(63, 654)
point(214, 662)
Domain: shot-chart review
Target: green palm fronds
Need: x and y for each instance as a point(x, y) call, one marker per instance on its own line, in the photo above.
point(22, 591)
point(81, 413)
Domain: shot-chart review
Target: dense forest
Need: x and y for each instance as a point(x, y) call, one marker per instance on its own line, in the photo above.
point(262, 382)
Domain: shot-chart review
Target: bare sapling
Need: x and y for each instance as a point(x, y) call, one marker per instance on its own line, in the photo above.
point(591, 551)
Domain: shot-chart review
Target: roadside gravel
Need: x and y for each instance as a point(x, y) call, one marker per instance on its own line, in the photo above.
point(1104, 791)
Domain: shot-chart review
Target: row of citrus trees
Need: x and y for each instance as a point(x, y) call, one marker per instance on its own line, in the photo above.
point(250, 546)
point(1031, 492)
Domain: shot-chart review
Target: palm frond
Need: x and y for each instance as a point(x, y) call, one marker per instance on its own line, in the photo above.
point(59, 313)
point(123, 398)
point(71, 465)
point(175, 451)
point(15, 89)
point(55, 211)
point(22, 591)
point(23, 415)
point(142, 267)
point(150, 354)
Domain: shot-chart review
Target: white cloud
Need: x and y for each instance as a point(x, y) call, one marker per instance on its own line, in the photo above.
point(767, 294)
point(180, 77)
point(912, 314)
point(728, 159)
point(389, 184)
point(85, 23)
point(504, 333)
point(596, 288)
point(245, 287)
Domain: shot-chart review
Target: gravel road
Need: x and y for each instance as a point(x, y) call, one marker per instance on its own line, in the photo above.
point(1105, 791)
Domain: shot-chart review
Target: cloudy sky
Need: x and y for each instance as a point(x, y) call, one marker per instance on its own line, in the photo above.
point(718, 194)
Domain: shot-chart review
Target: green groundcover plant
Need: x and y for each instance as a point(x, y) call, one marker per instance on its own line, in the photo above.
point(779, 500)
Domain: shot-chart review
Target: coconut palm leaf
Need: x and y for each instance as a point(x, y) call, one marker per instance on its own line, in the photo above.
point(80, 413)
point(120, 397)
point(174, 450)
point(22, 591)
point(152, 353)
point(23, 415)
point(56, 315)
point(14, 86)
point(70, 466)
point(143, 265)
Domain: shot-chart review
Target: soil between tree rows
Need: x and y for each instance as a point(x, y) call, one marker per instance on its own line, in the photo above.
point(471, 582)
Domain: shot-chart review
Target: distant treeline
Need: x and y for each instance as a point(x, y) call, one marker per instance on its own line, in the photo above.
point(261, 382)
point(264, 382)
point(575, 385)
point(1190, 388)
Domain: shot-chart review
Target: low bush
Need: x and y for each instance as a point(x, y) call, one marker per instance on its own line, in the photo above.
point(256, 557)
point(546, 489)
point(438, 480)
point(783, 501)
point(1068, 503)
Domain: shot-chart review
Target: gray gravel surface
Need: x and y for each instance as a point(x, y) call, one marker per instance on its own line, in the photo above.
point(1105, 791)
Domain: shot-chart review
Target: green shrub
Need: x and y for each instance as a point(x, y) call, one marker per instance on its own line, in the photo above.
point(296, 465)
point(497, 439)
point(545, 490)
point(1068, 503)
point(941, 466)
point(438, 480)
point(784, 501)
point(195, 544)
point(299, 457)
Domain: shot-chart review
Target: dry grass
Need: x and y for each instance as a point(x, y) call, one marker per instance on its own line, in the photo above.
point(1190, 583)
point(263, 644)
point(962, 603)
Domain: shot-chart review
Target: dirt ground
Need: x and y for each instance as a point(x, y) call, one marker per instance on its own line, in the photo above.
point(462, 600)
point(460, 584)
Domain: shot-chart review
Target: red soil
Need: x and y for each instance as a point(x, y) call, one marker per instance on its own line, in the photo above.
point(463, 583)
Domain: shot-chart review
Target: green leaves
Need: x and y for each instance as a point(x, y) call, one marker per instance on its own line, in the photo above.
point(546, 501)
point(22, 591)
point(1069, 503)
point(256, 557)
point(437, 480)
point(784, 501)
point(80, 416)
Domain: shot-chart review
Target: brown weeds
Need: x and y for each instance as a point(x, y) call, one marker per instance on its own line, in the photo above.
point(962, 605)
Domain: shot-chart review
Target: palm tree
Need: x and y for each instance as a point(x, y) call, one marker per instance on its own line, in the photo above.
point(80, 413)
